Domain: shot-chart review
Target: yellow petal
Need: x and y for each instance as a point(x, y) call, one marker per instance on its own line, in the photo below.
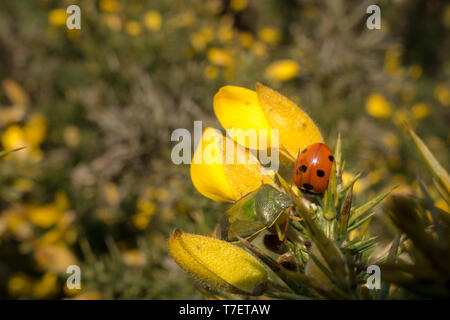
point(296, 129)
point(224, 171)
point(217, 263)
point(238, 108)
point(209, 178)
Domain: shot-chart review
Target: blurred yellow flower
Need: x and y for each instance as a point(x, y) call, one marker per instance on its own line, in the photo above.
point(113, 22)
point(377, 106)
point(141, 219)
point(393, 60)
point(400, 116)
point(145, 205)
point(259, 48)
point(109, 5)
point(210, 72)
point(391, 140)
point(269, 35)
point(23, 184)
point(347, 177)
point(441, 204)
point(246, 39)
point(220, 57)
point(88, 295)
point(420, 110)
point(231, 180)
point(72, 136)
point(134, 258)
point(153, 20)
point(54, 258)
point(442, 94)
point(46, 287)
point(282, 70)
point(133, 28)
point(57, 17)
point(13, 138)
point(15, 92)
point(35, 130)
point(45, 216)
point(111, 193)
point(19, 284)
point(217, 263)
point(201, 38)
point(238, 5)
point(415, 71)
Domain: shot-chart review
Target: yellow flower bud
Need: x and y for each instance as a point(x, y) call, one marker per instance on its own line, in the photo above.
point(217, 263)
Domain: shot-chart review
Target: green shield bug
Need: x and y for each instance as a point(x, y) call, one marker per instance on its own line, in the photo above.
point(254, 212)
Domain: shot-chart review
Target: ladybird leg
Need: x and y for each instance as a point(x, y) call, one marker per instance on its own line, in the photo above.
point(288, 218)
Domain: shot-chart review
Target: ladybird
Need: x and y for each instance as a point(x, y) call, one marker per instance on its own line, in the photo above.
point(313, 167)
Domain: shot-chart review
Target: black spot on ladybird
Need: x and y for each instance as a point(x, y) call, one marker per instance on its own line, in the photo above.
point(320, 173)
point(304, 150)
point(303, 168)
point(307, 186)
point(331, 158)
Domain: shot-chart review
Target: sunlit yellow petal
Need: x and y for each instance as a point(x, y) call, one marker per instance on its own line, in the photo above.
point(217, 263)
point(209, 178)
point(238, 108)
point(296, 129)
point(223, 170)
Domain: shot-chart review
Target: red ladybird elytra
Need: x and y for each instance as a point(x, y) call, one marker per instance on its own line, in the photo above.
point(313, 167)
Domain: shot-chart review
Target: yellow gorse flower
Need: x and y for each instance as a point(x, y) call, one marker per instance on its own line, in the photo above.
point(218, 180)
point(217, 263)
point(241, 108)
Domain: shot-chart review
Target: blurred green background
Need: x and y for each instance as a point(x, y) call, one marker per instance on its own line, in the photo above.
point(95, 109)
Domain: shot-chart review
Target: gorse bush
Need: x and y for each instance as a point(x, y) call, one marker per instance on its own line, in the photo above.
point(320, 240)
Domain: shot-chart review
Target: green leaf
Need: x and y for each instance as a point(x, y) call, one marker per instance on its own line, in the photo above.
point(435, 167)
point(359, 212)
point(329, 211)
point(344, 215)
point(328, 249)
point(359, 222)
point(391, 259)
